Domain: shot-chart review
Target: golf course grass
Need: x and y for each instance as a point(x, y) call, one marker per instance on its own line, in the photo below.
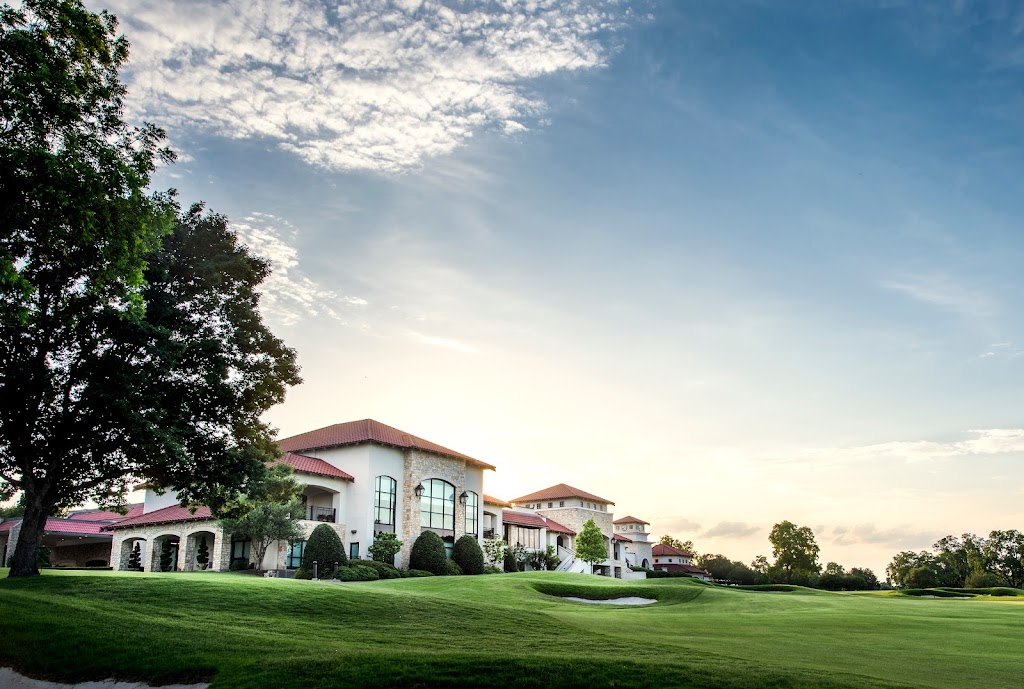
point(513, 630)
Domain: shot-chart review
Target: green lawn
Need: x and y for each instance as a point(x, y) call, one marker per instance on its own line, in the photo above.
point(498, 631)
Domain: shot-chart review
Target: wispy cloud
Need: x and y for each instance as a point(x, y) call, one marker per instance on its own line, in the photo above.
point(364, 84)
point(289, 295)
point(731, 530)
point(944, 292)
point(901, 537)
point(991, 441)
point(445, 342)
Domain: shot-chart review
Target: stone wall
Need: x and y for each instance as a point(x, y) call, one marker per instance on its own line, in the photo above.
point(151, 535)
point(420, 466)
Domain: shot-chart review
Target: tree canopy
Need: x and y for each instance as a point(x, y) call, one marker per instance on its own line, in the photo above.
point(794, 549)
point(131, 345)
point(590, 545)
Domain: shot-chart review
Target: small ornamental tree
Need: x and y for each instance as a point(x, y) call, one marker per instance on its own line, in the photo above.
point(324, 546)
point(202, 551)
point(135, 558)
point(468, 555)
point(384, 548)
point(590, 545)
point(428, 554)
point(271, 513)
point(494, 549)
point(165, 556)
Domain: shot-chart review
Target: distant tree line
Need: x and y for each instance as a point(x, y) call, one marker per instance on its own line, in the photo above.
point(795, 554)
point(968, 561)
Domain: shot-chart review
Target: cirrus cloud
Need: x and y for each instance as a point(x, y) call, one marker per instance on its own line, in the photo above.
point(359, 85)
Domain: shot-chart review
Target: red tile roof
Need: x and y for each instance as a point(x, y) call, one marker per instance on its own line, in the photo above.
point(629, 520)
point(558, 528)
point(167, 515)
point(620, 537)
point(312, 465)
point(523, 519)
point(105, 515)
point(662, 549)
point(368, 431)
point(73, 526)
point(490, 500)
point(562, 490)
point(8, 525)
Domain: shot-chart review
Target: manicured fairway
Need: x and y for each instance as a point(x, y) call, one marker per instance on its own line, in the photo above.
point(498, 631)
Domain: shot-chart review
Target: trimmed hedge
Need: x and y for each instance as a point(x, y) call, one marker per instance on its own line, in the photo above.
point(325, 547)
point(428, 554)
point(357, 573)
point(383, 569)
point(986, 591)
point(414, 573)
point(468, 554)
point(453, 569)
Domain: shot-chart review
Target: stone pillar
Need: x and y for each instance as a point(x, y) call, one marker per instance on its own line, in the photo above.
point(220, 551)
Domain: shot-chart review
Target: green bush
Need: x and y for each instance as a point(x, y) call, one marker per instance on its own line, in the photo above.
point(239, 563)
point(383, 569)
point(301, 573)
point(42, 558)
point(491, 569)
point(325, 548)
point(986, 590)
point(453, 569)
point(938, 593)
point(510, 561)
point(778, 588)
point(413, 573)
point(469, 555)
point(165, 556)
point(357, 573)
point(202, 552)
point(428, 554)
point(981, 580)
point(384, 547)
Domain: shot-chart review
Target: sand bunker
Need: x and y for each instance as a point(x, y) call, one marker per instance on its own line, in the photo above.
point(631, 600)
point(9, 679)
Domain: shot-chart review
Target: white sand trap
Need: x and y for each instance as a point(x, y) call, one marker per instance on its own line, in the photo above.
point(9, 679)
point(631, 600)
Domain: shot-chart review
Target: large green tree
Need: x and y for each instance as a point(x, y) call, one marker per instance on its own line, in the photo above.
point(590, 546)
point(794, 549)
point(131, 346)
point(271, 513)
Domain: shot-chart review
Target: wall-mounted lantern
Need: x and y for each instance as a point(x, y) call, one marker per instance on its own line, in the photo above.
point(419, 490)
point(463, 497)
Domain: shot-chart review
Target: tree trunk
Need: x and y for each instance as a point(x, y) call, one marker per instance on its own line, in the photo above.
point(31, 537)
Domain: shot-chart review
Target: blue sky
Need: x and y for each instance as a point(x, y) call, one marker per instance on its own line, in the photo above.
point(723, 263)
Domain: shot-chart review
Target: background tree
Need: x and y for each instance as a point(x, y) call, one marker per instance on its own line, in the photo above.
point(120, 359)
point(686, 546)
point(899, 570)
point(271, 513)
point(956, 557)
point(1004, 556)
point(865, 575)
point(384, 547)
point(794, 549)
point(833, 568)
point(760, 565)
point(15, 510)
point(590, 545)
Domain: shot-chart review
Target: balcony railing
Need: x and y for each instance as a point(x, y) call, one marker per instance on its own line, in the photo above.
point(322, 514)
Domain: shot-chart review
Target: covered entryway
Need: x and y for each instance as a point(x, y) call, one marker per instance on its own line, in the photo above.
point(168, 545)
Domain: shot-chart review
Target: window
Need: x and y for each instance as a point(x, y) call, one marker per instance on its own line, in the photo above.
point(550, 505)
point(385, 491)
point(240, 550)
point(353, 551)
point(520, 535)
point(437, 506)
point(295, 554)
point(472, 507)
point(561, 503)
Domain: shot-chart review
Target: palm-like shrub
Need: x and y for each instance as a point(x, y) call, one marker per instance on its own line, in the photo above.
point(428, 554)
point(468, 554)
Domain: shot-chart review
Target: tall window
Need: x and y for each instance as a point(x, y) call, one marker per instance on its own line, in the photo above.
point(240, 549)
point(385, 492)
point(437, 506)
point(472, 506)
point(295, 554)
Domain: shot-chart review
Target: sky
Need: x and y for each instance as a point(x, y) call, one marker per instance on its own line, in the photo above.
point(724, 264)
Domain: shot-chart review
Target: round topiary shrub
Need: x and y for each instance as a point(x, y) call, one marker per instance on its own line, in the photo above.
point(453, 569)
point(323, 546)
point(428, 554)
point(469, 555)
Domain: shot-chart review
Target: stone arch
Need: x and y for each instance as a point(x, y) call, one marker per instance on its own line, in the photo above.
point(191, 552)
point(177, 551)
point(123, 554)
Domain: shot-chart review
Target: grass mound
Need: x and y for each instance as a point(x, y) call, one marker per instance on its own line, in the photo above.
point(780, 588)
point(988, 591)
point(663, 594)
point(938, 593)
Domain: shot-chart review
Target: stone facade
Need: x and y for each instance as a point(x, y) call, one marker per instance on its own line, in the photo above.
point(421, 466)
point(186, 533)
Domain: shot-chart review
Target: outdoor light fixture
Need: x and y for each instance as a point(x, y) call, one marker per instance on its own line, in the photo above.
point(419, 490)
point(463, 497)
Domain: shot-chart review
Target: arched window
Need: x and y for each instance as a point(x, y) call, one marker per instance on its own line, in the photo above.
point(385, 498)
point(437, 506)
point(472, 507)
